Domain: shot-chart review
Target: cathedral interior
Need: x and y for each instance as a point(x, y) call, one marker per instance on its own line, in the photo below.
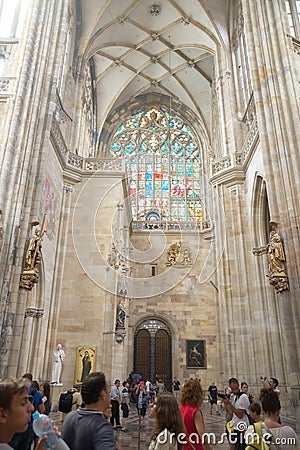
point(150, 190)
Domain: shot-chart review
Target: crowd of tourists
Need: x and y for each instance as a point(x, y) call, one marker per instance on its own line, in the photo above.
point(177, 415)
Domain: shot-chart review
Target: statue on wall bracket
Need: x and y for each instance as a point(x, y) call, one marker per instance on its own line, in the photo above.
point(179, 255)
point(33, 257)
point(120, 329)
point(277, 264)
point(121, 315)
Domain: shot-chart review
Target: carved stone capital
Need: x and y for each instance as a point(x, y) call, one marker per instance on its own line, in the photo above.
point(257, 251)
point(34, 312)
point(280, 283)
point(67, 187)
point(119, 337)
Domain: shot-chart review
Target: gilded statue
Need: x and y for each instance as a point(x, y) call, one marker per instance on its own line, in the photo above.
point(33, 254)
point(33, 257)
point(277, 271)
point(275, 254)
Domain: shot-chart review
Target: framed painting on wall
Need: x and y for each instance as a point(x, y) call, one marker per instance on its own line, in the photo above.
point(85, 362)
point(195, 354)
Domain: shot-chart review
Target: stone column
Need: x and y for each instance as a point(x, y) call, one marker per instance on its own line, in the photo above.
point(120, 353)
point(61, 249)
point(276, 94)
point(27, 119)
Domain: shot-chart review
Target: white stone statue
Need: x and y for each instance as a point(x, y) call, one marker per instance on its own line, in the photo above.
point(58, 357)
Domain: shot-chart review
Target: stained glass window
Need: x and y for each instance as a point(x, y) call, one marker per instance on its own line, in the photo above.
point(163, 167)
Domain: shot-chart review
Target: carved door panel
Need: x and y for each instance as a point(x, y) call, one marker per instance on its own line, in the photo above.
point(142, 354)
point(153, 351)
point(163, 358)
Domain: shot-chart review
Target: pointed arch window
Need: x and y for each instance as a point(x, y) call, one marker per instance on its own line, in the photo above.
point(163, 167)
point(12, 16)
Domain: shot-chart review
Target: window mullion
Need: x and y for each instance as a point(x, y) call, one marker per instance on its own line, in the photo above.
point(185, 193)
point(138, 171)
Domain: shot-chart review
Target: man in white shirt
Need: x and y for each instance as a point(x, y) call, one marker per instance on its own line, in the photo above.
point(237, 407)
point(148, 388)
point(115, 400)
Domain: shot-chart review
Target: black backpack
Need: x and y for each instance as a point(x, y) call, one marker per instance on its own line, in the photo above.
point(66, 401)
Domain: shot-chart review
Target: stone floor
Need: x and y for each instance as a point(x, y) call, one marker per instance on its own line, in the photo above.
point(139, 439)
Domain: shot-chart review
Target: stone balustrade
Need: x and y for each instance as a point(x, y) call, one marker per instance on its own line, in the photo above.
point(239, 158)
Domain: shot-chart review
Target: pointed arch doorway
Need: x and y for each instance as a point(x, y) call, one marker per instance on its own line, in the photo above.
point(153, 351)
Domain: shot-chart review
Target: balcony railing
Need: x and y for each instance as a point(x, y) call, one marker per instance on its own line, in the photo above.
point(169, 225)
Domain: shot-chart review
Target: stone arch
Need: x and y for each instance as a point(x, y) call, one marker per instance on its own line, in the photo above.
point(195, 123)
point(260, 214)
point(119, 115)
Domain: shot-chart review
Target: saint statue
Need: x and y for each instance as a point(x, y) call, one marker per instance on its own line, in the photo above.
point(33, 254)
point(121, 315)
point(58, 357)
point(275, 255)
point(277, 272)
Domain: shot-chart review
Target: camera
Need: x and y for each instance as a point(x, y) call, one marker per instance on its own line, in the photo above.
point(224, 396)
point(263, 378)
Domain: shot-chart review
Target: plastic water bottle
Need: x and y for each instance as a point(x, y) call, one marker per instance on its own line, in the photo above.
point(42, 426)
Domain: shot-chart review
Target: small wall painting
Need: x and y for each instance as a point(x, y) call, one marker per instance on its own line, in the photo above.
point(85, 362)
point(195, 354)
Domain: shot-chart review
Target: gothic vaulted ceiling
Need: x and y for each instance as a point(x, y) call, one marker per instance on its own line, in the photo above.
point(153, 46)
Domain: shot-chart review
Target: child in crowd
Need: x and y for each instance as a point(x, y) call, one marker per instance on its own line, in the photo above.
point(255, 412)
